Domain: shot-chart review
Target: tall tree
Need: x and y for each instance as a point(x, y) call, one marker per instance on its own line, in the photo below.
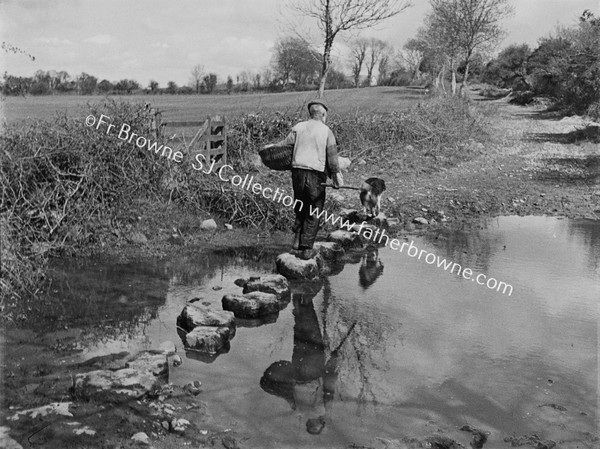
point(336, 16)
point(471, 24)
point(376, 49)
point(358, 53)
point(197, 75)
point(384, 64)
point(413, 53)
point(295, 59)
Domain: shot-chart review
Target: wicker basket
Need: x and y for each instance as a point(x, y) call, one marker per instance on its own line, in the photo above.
point(277, 157)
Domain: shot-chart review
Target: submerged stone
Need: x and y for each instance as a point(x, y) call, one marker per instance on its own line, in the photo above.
point(144, 373)
point(251, 305)
point(275, 284)
point(294, 268)
point(117, 385)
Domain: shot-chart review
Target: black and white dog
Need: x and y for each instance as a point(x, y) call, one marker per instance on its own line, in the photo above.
point(370, 196)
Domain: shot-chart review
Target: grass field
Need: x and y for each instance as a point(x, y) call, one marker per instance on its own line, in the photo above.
point(197, 107)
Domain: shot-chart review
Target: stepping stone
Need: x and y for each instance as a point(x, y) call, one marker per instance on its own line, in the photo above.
point(329, 250)
point(193, 316)
point(251, 305)
point(275, 284)
point(294, 268)
point(117, 386)
point(346, 239)
point(209, 339)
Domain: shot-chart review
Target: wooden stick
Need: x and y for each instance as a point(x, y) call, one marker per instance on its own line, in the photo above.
point(341, 187)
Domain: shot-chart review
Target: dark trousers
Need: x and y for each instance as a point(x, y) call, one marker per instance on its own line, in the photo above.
point(308, 189)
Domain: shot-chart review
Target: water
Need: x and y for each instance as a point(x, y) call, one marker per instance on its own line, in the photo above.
point(418, 348)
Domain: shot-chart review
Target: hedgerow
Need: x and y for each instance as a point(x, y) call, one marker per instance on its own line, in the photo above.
point(64, 184)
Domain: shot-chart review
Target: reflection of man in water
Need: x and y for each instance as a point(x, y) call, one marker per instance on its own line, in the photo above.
point(307, 383)
point(370, 268)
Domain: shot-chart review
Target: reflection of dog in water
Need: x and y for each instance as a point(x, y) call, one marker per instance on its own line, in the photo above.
point(370, 196)
point(370, 269)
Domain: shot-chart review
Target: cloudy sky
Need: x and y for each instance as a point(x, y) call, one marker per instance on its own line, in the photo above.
point(163, 40)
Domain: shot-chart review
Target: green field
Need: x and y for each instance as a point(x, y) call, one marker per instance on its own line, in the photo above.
point(197, 107)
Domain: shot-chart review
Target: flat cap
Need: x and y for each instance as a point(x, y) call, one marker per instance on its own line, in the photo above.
point(318, 101)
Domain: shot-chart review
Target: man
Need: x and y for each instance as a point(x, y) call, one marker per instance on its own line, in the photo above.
point(315, 154)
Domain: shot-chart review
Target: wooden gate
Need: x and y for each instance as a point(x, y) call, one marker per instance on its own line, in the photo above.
point(209, 137)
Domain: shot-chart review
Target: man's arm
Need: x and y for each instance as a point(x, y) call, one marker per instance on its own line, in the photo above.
point(332, 161)
point(290, 139)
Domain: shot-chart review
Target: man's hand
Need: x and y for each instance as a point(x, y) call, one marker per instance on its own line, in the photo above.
point(338, 180)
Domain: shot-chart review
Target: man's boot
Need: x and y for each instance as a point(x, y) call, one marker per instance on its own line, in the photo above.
point(296, 244)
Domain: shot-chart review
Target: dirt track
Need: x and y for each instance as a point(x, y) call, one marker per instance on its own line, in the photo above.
point(535, 164)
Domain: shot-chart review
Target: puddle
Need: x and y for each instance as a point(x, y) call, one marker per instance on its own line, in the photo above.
point(388, 346)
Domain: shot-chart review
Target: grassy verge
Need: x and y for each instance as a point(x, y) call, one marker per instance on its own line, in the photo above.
point(66, 187)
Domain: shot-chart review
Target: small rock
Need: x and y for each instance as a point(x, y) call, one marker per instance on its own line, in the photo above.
point(165, 425)
point(343, 163)
point(228, 227)
point(138, 237)
point(229, 442)
point(168, 348)
point(420, 220)
point(141, 438)
point(176, 239)
point(209, 225)
point(362, 162)
point(393, 221)
point(294, 268)
point(177, 361)
point(409, 148)
point(315, 426)
point(179, 425)
point(6, 441)
point(193, 387)
point(391, 199)
point(251, 305)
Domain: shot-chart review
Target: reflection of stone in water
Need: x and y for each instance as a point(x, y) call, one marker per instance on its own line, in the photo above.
point(206, 357)
point(257, 322)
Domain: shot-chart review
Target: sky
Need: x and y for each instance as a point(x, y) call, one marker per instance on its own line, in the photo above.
point(164, 39)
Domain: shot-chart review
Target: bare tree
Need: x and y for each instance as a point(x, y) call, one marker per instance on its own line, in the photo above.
point(442, 46)
point(197, 77)
point(376, 49)
point(358, 52)
point(384, 64)
point(335, 16)
point(471, 24)
point(413, 54)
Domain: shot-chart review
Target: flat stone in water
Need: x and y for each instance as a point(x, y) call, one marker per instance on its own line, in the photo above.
point(209, 339)
point(346, 239)
point(251, 305)
point(193, 316)
point(294, 268)
point(329, 250)
point(275, 284)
